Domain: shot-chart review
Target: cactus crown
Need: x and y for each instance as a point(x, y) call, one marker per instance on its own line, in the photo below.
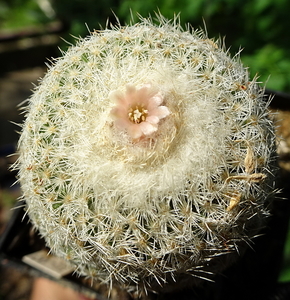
point(146, 153)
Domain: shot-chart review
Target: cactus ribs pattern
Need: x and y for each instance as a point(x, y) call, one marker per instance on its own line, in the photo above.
point(147, 154)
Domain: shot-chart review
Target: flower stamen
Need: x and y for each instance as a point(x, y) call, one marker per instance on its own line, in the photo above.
point(138, 111)
point(138, 115)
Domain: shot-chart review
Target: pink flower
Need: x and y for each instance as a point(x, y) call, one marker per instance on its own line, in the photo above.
point(138, 111)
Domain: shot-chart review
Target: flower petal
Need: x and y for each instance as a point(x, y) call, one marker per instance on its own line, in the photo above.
point(160, 111)
point(122, 123)
point(137, 111)
point(118, 98)
point(142, 96)
point(130, 94)
point(119, 112)
point(155, 101)
point(152, 119)
point(134, 131)
point(147, 128)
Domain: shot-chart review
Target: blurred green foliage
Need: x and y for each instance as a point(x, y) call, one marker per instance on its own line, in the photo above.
point(285, 273)
point(260, 27)
point(17, 14)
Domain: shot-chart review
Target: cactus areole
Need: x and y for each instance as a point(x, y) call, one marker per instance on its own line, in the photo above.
point(147, 155)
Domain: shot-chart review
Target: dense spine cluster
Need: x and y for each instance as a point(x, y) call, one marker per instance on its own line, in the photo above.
point(147, 153)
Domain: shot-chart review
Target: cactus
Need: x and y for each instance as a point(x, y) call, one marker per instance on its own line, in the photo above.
point(147, 155)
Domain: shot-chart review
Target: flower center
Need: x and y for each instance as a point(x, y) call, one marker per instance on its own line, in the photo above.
point(137, 114)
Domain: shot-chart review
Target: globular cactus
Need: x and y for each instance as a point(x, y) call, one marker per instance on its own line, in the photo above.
point(147, 154)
